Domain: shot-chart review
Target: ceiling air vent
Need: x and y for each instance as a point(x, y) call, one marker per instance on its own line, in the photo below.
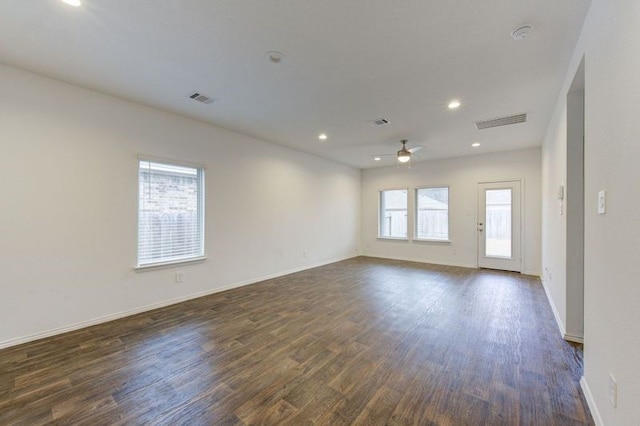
point(197, 96)
point(379, 122)
point(501, 121)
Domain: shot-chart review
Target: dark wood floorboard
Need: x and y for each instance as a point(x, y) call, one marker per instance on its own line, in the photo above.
point(364, 341)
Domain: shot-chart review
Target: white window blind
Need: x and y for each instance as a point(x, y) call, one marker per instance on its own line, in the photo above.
point(170, 213)
point(392, 220)
point(432, 213)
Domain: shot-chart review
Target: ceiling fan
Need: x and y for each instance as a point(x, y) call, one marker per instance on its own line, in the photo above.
point(404, 154)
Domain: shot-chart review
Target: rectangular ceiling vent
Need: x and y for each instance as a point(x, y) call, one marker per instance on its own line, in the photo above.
point(501, 121)
point(379, 122)
point(197, 96)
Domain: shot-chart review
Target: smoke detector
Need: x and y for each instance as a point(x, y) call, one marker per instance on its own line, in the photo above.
point(521, 33)
point(275, 57)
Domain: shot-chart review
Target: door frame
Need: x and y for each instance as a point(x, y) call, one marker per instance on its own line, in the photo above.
point(521, 181)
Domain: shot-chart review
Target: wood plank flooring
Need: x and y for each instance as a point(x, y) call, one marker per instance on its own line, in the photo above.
point(364, 341)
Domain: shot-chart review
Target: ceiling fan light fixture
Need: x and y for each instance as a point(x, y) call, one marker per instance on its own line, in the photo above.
point(404, 157)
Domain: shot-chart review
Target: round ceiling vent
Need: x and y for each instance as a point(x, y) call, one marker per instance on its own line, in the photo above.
point(521, 33)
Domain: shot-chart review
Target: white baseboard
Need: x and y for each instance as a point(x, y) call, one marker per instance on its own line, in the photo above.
point(573, 338)
point(556, 315)
point(150, 307)
point(591, 402)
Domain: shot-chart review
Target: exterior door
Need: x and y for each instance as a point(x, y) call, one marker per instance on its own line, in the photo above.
point(499, 226)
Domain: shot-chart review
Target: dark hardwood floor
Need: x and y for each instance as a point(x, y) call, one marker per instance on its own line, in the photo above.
point(364, 341)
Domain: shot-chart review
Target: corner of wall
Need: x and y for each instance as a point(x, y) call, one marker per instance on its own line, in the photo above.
point(591, 402)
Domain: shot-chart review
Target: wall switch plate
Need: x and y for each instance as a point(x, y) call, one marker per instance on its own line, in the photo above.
point(602, 202)
point(613, 391)
point(179, 277)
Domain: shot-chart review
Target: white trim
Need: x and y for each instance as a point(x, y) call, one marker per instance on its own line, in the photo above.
point(563, 332)
point(393, 238)
point(556, 315)
point(431, 240)
point(171, 162)
point(162, 304)
point(163, 265)
point(591, 402)
point(573, 338)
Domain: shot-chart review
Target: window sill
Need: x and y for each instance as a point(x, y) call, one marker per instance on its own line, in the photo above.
point(170, 264)
point(394, 238)
point(431, 240)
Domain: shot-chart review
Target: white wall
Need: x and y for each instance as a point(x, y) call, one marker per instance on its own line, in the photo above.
point(462, 175)
point(574, 215)
point(609, 43)
point(554, 226)
point(68, 179)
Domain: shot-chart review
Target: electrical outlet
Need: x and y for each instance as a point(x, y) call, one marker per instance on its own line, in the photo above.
point(179, 277)
point(304, 254)
point(613, 391)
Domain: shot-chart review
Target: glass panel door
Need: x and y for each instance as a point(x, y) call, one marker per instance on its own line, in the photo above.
point(498, 223)
point(499, 226)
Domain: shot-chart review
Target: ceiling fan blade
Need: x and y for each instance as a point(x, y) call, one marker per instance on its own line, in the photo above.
point(384, 155)
point(415, 149)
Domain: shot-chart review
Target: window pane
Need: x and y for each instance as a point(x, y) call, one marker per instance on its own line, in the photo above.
point(432, 217)
point(170, 213)
point(498, 223)
point(393, 213)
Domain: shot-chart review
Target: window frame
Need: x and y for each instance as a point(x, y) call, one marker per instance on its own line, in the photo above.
point(416, 214)
point(380, 208)
point(201, 174)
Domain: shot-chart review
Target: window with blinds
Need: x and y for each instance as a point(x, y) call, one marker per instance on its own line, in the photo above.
point(170, 213)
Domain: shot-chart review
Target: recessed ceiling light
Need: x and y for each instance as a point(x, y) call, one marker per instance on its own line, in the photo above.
point(454, 104)
point(521, 33)
point(75, 3)
point(376, 158)
point(475, 144)
point(322, 136)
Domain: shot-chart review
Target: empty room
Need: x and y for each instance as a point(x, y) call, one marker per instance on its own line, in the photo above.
point(319, 212)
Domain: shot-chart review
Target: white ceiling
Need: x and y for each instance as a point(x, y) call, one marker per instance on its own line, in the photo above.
point(347, 62)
